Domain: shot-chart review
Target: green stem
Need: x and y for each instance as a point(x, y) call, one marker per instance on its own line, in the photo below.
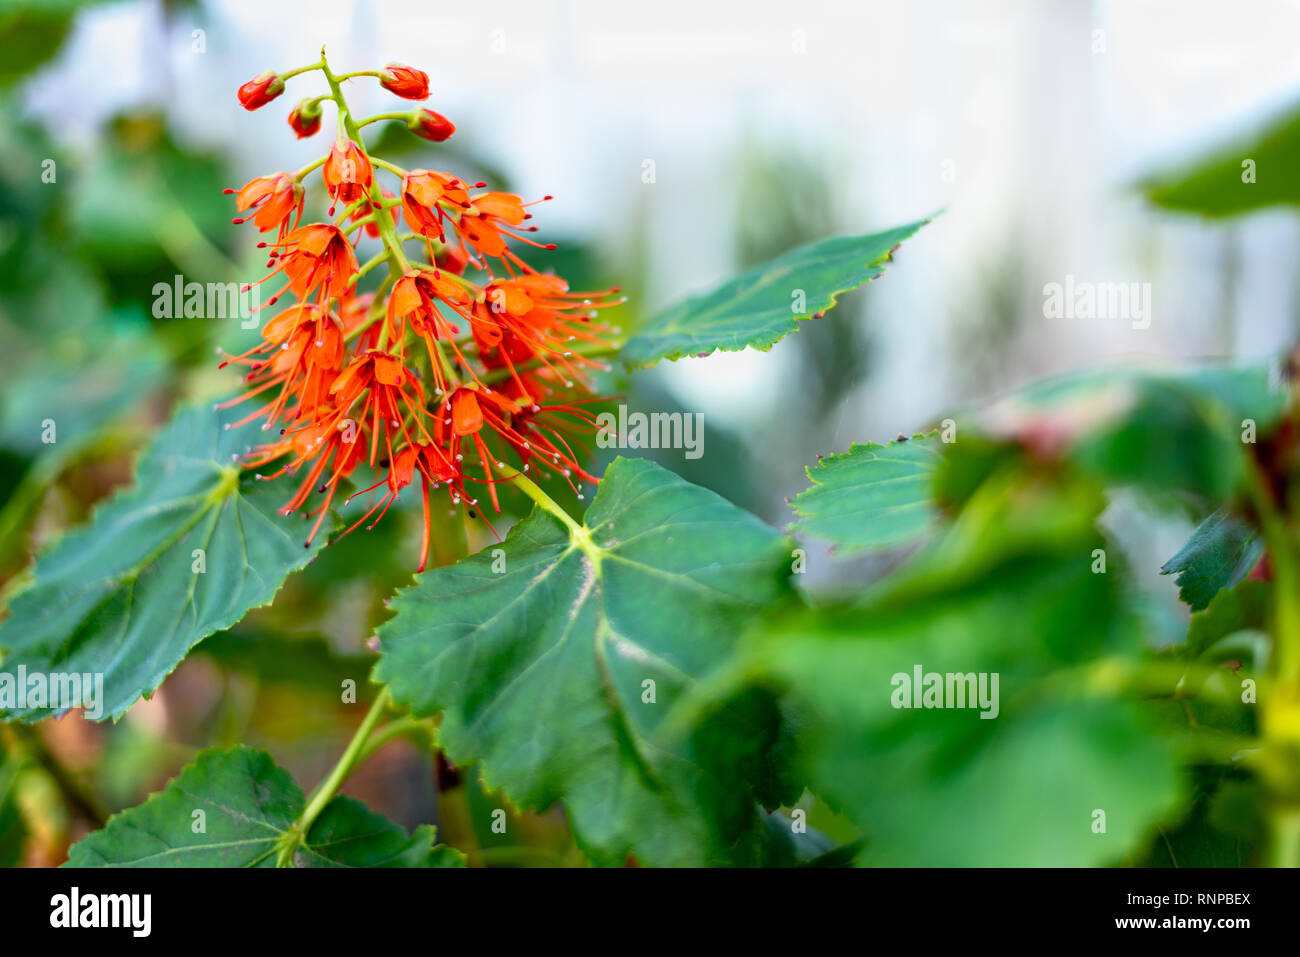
point(380, 117)
point(1285, 848)
point(522, 856)
point(1280, 706)
point(497, 375)
point(314, 164)
point(533, 491)
point(368, 265)
point(357, 224)
point(397, 264)
point(303, 69)
point(407, 724)
point(326, 790)
point(578, 533)
point(391, 167)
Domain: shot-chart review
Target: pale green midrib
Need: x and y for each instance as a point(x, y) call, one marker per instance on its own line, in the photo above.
point(183, 849)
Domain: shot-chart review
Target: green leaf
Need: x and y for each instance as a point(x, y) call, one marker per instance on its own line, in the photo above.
point(872, 495)
point(120, 596)
point(538, 654)
point(174, 192)
point(761, 307)
point(1221, 828)
point(1221, 552)
point(1242, 607)
point(80, 387)
point(32, 31)
point(944, 786)
point(1213, 184)
point(247, 805)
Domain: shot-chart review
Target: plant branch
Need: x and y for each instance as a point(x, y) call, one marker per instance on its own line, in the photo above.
point(325, 791)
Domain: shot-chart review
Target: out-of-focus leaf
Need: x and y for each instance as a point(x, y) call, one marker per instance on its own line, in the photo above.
point(1221, 552)
point(1222, 828)
point(123, 596)
point(1161, 431)
point(943, 785)
point(172, 196)
point(1231, 627)
point(872, 495)
point(762, 306)
point(245, 804)
point(32, 31)
point(307, 662)
point(80, 388)
point(1255, 171)
point(556, 658)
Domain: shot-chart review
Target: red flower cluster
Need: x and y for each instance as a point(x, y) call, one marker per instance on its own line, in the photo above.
point(435, 376)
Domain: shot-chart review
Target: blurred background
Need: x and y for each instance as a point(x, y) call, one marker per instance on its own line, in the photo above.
point(683, 142)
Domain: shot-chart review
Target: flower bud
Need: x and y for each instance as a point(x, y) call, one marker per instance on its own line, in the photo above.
point(453, 259)
point(429, 125)
point(305, 118)
point(261, 90)
point(405, 81)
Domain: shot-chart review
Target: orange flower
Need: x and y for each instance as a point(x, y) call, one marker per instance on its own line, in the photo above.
point(463, 413)
point(400, 473)
point(435, 468)
point(539, 433)
point(423, 194)
point(277, 198)
point(414, 301)
point(331, 369)
point(317, 256)
point(337, 448)
point(389, 394)
point(347, 172)
point(493, 218)
point(536, 316)
point(305, 349)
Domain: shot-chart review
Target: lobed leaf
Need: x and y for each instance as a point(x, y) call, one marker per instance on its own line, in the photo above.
point(120, 597)
point(556, 658)
point(871, 496)
point(1220, 552)
point(230, 808)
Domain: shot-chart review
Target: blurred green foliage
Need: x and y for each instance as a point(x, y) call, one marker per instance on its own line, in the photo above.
point(1252, 171)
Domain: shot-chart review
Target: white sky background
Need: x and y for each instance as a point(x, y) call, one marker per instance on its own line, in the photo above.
point(571, 97)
